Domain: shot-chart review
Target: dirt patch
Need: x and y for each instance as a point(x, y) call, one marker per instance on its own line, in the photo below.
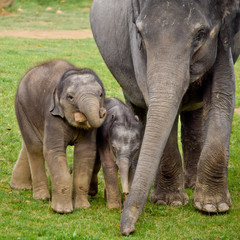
point(3, 12)
point(48, 34)
point(237, 110)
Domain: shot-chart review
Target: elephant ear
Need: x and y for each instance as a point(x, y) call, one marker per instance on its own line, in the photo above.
point(111, 120)
point(55, 107)
point(135, 10)
point(230, 14)
point(135, 13)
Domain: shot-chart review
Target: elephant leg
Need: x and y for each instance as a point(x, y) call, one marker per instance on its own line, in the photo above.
point(112, 191)
point(211, 191)
point(93, 189)
point(192, 141)
point(61, 180)
point(84, 159)
point(38, 172)
point(169, 185)
point(21, 176)
point(33, 150)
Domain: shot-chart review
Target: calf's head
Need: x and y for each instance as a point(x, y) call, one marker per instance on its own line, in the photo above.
point(79, 98)
point(125, 136)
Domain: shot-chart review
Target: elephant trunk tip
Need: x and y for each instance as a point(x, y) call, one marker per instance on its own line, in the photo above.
point(126, 227)
point(98, 121)
point(103, 113)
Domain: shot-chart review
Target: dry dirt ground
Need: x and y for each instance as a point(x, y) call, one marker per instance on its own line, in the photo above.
point(63, 34)
point(55, 34)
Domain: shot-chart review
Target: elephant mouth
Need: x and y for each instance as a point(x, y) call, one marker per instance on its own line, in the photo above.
point(79, 117)
point(81, 120)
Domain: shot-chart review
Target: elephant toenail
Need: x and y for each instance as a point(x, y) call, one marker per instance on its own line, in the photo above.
point(161, 202)
point(209, 208)
point(223, 207)
point(176, 203)
point(198, 205)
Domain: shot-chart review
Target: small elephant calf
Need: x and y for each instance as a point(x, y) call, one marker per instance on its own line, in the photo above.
point(118, 145)
point(58, 104)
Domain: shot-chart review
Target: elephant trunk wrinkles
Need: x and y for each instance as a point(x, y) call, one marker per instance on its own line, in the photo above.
point(166, 89)
point(90, 107)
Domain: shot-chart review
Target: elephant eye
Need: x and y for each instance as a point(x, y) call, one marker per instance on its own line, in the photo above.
point(70, 97)
point(201, 35)
point(101, 94)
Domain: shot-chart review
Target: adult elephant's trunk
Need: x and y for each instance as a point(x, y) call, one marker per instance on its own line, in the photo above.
point(166, 87)
point(94, 113)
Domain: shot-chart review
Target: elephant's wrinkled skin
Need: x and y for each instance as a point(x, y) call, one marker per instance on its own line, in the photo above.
point(118, 145)
point(57, 105)
point(171, 57)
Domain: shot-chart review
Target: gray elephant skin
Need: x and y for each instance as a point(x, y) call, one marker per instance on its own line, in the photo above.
point(118, 145)
point(58, 104)
point(174, 58)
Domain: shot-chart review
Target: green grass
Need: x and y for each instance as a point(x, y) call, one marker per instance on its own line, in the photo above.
point(42, 14)
point(22, 217)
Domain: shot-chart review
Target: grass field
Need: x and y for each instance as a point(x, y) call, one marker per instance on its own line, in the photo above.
point(22, 217)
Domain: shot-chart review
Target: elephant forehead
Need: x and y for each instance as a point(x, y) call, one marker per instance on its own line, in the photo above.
point(124, 137)
point(83, 82)
point(171, 13)
point(83, 79)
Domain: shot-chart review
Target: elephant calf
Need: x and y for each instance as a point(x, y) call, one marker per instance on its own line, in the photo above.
point(58, 105)
point(118, 145)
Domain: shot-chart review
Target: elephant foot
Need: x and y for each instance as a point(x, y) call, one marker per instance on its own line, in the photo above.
point(177, 198)
point(208, 200)
point(93, 190)
point(114, 204)
point(59, 207)
point(189, 180)
point(81, 203)
point(41, 194)
point(19, 185)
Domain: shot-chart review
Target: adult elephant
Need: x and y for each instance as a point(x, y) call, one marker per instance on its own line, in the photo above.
point(174, 57)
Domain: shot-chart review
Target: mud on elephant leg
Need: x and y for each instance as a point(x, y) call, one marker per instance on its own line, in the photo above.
point(21, 176)
point(192, 141)
point(169, 185)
